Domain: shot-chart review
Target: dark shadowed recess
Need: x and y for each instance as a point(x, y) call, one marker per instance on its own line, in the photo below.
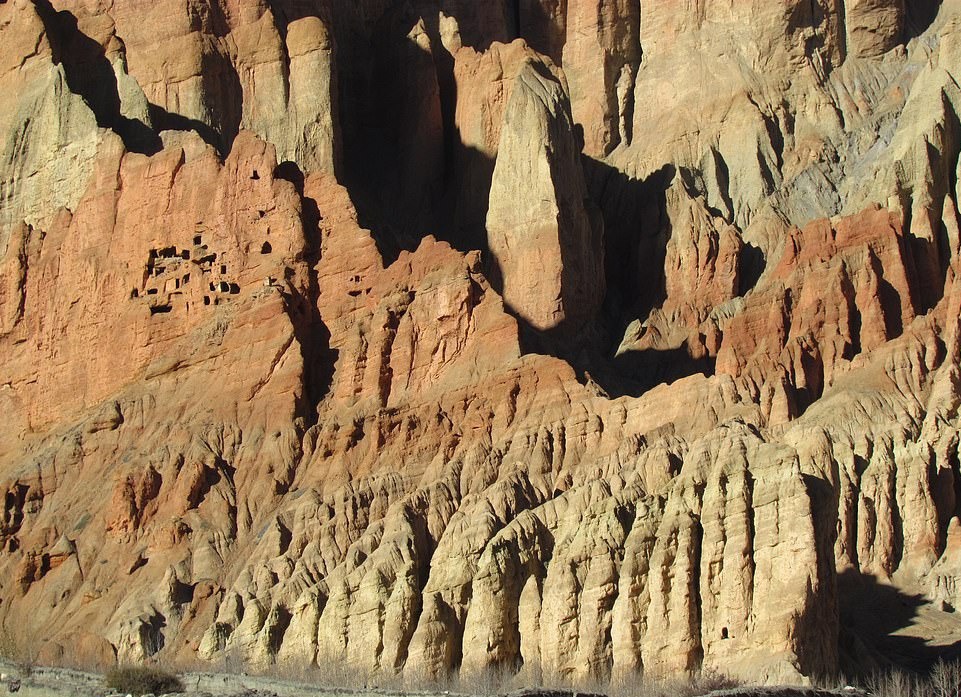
point(920, 15)
point(221, 84)
point(751, 265)
point(872, 613)
point(311, 333)
point(637, 231)
point(394, 165)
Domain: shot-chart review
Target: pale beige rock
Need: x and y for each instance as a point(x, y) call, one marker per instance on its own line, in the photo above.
point(49, 136)
point(547, 249)
point(295, 105)
point(351, 458)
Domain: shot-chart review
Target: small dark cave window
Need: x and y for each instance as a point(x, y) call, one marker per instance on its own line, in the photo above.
point(724, 634)
point(265, 248)
point(255, 175)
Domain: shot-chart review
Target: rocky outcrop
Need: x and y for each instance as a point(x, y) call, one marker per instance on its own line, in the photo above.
point(239, 424)
point(547, 250)
point(601, 56)
point(303, 120)
point(836, 292)
point(874, 26)
point(484, 84)
point(49, 135)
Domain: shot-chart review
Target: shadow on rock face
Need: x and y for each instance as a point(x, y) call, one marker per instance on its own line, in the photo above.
point(873, 616)
point(90, 75)
point(636, 234)
point(920, 15)
point(168, 121)
point(311, 332)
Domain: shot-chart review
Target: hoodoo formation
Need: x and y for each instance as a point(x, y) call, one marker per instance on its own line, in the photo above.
point(565, 338)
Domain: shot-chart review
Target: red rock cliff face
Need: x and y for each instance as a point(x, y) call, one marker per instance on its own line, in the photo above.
point(570, 339)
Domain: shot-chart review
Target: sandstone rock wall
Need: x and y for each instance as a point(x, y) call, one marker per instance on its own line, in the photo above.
point(565, 339)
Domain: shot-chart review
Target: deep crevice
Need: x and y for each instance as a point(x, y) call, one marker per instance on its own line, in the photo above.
point(311, 332)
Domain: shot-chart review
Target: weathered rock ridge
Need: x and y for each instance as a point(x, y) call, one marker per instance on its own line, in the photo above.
point(565, 339)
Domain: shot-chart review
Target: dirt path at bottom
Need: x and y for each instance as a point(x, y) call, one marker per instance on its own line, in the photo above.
point(62, 682)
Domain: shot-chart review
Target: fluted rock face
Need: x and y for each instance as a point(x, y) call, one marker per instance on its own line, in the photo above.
point(567, 339)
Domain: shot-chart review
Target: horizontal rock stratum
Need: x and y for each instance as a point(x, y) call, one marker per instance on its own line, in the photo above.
point(566, 338)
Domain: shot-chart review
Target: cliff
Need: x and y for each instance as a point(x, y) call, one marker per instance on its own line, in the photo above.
point(567, 338)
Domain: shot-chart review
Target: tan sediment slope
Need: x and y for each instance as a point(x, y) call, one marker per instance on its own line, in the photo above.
point(570, 339)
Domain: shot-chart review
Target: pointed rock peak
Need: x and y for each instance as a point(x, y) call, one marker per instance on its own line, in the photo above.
point(548, 254)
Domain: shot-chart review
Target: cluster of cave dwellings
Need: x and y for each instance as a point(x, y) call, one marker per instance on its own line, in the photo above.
point(169, 272)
